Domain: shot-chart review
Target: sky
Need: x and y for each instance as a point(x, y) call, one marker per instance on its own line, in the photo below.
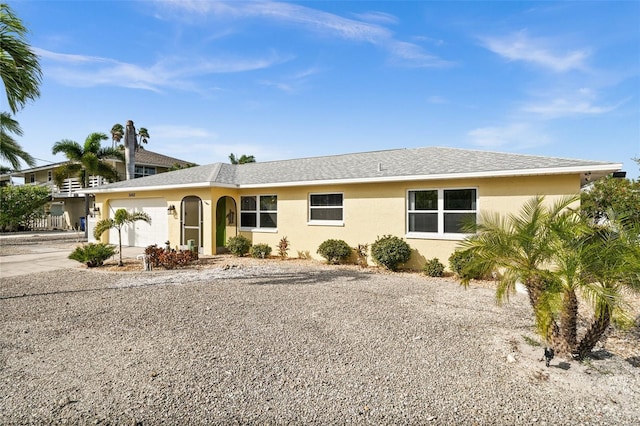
point(281, 80)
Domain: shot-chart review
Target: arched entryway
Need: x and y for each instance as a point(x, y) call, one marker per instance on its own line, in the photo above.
point(191, 221)
point(226, 222)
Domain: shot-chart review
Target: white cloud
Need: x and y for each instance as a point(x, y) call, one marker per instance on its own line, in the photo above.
point(377, 17)
point(173, 72)
point(324, 23)
point(514, 136)
point(583, 101)
point(542, 52)
point(436, 99)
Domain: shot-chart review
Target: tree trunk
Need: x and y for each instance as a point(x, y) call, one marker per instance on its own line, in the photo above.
point(593, 334)
point(130, 142)
point(120, 246)
point(568, 320)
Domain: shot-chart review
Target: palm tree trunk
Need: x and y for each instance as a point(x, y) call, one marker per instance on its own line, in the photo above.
point(120, 246)
point(593, 334)
point(568, 319)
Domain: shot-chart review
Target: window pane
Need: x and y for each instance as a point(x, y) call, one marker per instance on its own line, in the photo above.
point(423, 222)
point(460, 199)
point(423, 200)
point(248, 220)
point(322, 200)
point(326, 214)
point(455, 222)
point(268, 220)
point(268, 202)
point(248, 203)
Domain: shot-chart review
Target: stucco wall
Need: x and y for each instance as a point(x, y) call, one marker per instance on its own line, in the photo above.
point(370, 210)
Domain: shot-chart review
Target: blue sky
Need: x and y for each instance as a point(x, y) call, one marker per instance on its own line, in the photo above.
point(282, 80)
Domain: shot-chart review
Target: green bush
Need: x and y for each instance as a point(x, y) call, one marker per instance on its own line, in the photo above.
point(459, 263)
point(390, 251)
point(433, 268)
point(335, 251)
point(260, 250)
point(93, 254)
point(239, 245)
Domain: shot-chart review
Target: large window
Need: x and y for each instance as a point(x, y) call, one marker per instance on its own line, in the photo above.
point(259, 211)
point(326, 208)
point(441, 211)
point(141, 171)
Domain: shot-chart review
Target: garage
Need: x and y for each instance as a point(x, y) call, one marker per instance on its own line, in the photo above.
point(142, 234)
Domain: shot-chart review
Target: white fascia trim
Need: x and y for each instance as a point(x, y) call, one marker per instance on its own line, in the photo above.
point(155, 188)
point(490, 174)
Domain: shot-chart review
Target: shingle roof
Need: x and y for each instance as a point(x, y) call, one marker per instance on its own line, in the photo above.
point(150, 158)
point(390, 165)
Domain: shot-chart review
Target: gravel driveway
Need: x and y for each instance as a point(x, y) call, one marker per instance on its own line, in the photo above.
point(281, 343)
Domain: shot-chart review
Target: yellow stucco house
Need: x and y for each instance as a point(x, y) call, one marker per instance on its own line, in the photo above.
point(422, 195)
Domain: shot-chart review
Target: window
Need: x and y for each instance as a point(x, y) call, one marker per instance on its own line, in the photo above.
point(259, 211)
point(441, 211)
point(326, 208)
point(141, 171)
point(32, 178)
point(49, 176)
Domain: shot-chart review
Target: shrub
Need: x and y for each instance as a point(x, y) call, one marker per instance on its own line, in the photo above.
point(168, 258)
point(260, 250)
point(283, 247)
point(238, 245)
point(93, 254)
point(335, 251)
point(390, 251)
point(459, 263)
point(433, 268)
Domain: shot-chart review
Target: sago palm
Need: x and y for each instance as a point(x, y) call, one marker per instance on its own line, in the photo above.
point(120, 219)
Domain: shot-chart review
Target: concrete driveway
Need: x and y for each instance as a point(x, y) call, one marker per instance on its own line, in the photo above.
point(43, 252)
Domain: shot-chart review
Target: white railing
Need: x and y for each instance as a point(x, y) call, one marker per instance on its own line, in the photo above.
point(49, 222)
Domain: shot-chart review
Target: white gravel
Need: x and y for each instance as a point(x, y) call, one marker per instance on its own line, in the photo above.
point(280, 343)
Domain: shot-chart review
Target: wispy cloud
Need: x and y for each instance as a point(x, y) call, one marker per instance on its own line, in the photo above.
point(174, 72)
point(580, 102)
point(292, 83)
point(520, 46)
point(367, 28)
point(513, 136)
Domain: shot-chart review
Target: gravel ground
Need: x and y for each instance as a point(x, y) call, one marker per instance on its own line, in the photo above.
point(287, 343)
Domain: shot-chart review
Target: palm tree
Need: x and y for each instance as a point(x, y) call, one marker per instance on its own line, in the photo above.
point(120, 219)
point(557, 256)
point(244, 159)
point(10, 150)
point(19, 66)
point(131, 144)
point(86, 161)
point(117, 133)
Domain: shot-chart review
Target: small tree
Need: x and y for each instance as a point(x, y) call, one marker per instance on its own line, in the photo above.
point(390, 251)
point(120, 219)
point(21, 204)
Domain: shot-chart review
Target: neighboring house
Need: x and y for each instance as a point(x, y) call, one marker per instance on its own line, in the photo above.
point(66, 210)
point(422, 195)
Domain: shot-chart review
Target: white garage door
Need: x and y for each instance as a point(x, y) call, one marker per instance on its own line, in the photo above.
point(142, 234)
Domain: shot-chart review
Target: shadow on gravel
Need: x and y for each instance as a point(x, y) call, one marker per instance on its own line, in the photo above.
point(294, 278)
point(311, 277)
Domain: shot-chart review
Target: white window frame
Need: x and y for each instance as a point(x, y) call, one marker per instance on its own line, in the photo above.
point(257, 212)
point(325, 222)
point(440, 234)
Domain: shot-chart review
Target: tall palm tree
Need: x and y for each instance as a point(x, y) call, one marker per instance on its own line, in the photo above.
point(131, 143)
point(10, 150)
point(86, 161)
point(120, 219)
point(19, 66)
point(117, 133)
point(244, 159)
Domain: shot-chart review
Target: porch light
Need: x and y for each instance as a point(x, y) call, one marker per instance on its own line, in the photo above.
point(171, 209)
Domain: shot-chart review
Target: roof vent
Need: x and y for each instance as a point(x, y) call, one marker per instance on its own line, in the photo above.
point(379, 167)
